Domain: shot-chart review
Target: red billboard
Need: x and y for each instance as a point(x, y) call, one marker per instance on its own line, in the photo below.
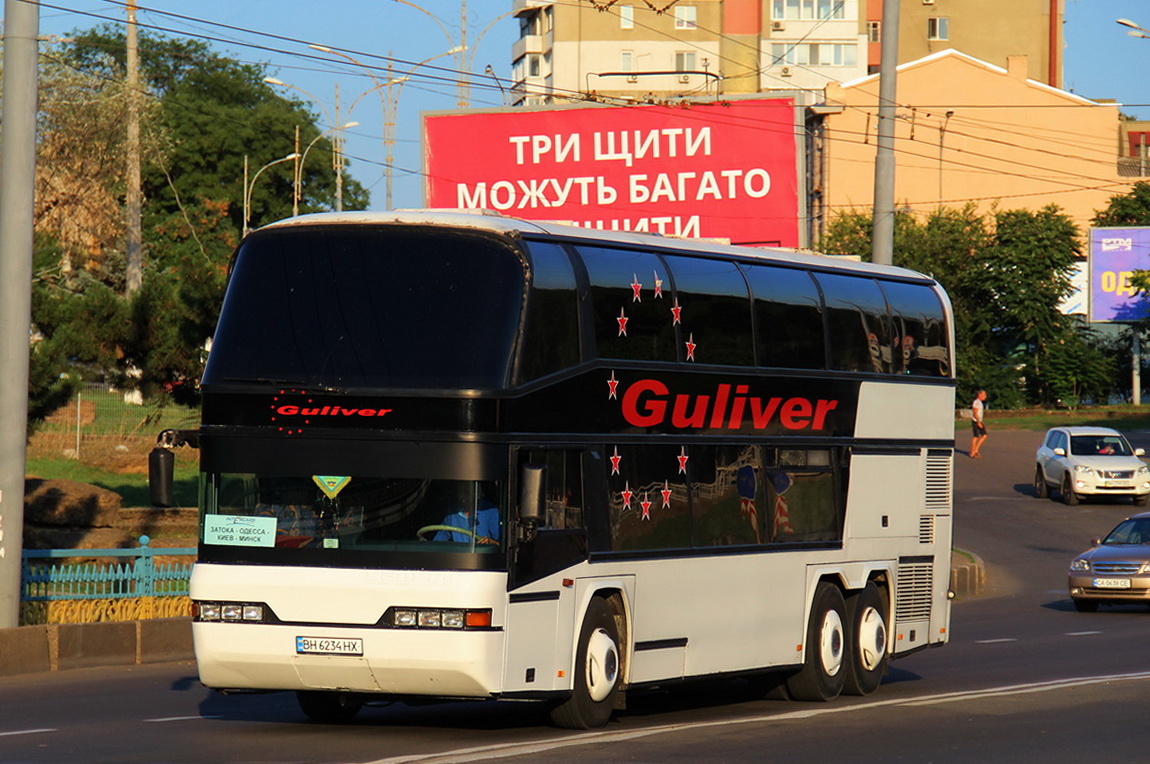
point(723, 170)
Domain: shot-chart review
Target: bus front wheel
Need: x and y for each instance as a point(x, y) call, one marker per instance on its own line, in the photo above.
point(596, 679)
point(866, 654)
point(328, 707)
point(824, 668)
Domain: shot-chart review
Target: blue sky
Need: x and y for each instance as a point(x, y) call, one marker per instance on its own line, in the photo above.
point(1101, 61)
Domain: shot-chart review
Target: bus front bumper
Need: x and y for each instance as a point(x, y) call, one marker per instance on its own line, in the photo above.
point(463, 664)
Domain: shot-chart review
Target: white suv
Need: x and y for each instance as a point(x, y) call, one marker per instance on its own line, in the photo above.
point(1090, 461)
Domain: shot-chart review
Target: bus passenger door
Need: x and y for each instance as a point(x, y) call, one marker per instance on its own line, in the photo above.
point(541, 600)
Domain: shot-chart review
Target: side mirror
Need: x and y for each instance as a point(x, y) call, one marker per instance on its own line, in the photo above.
point(532, 488)
point(1060, 452)
point(1095, 542)
point(1139, 452)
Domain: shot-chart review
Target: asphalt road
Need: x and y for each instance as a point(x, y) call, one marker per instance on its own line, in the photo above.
point(1025, 677)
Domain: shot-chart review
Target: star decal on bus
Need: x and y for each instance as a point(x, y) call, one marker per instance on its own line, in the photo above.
point(615, 459)
point(622, 319)
point(666, 493)
point(627, 496)
point(658, 285)
point(612, 387)
point(676, 313)
point(646, 505)
point(683, 460)
point(691, 347)
point(636, 288)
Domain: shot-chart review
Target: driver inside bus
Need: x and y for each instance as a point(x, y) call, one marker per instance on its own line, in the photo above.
point(484, 524)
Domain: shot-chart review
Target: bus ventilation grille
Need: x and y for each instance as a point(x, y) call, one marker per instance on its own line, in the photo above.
point(926, 529)
point(938, 470)
point(912, 598)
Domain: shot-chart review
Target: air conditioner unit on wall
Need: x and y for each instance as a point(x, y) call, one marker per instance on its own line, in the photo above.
point(684, 78)
point(632, 78)
point(785, 71)
point(778, 26)
point(928, 2)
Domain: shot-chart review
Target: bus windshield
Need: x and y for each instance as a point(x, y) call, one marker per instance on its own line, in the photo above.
point(369, 306)
point(356, 513)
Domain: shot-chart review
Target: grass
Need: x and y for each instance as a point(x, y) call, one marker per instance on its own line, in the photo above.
point(1122, 418)
point(132, 486)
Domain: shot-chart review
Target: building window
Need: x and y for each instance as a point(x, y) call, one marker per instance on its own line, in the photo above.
point(626, 17)
point(874, 31)
point(815, 54)
point(938, 28)
point(627, 61)
point(533, 65)
point(685, 61)
point(820, 10)
point(686, 17)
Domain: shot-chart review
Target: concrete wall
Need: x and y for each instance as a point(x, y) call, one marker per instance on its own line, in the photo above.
point(60, 647)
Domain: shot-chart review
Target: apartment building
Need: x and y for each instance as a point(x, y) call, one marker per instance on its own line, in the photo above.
point(644, 50)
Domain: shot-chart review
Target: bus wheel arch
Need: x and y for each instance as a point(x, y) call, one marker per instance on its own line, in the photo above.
point(824, 669)
point(868, 635)
point(598, 669)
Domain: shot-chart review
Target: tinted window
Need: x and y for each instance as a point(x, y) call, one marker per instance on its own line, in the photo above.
point(647, 498)
point(727, 495)
point(920, 338)
point(551, 332)
point(857, 323)
point(714, 310)
point(788, 318)
point(631, 303)
point(370, 306)
point(802, 498)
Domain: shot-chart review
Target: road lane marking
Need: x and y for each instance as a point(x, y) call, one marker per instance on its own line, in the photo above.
point(179, 719)
point(482, 753)
point(994, 641)
point(1082, 633)
point(27, 732)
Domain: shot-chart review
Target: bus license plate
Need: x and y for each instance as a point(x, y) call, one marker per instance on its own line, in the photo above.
point(328, 646)
point(1112, 583)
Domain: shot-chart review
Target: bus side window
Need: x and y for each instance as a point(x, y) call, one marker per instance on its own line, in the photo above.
point(788, 318)
point(716, 310)
point(726, 500)
point(923, 347)
point(563, 493)
point(631, 303)
point(858, 323)
point(801, 496)
point(551, 330)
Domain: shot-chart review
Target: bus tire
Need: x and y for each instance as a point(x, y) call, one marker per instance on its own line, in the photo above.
point(597, 674)
point(824, 666)
point(867, 641)
point(328, 707)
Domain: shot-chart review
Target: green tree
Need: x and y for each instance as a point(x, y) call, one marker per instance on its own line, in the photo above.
point(1132, 208)
point(1006, 274)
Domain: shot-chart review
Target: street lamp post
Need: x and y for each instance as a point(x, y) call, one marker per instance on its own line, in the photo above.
point(1135, 30)
point(297, 184)
point(337, 148)
point(389, 91)
point(248, 185)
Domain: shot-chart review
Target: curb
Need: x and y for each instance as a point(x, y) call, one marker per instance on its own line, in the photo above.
point(65, 646)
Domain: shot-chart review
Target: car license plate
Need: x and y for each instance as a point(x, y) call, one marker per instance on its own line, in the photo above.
point(1118, 484)
point(328, 646)
point(1112, 583)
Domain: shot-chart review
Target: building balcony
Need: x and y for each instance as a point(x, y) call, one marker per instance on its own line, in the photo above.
point(522, 6)
point(1133, 167)
point(532, 43)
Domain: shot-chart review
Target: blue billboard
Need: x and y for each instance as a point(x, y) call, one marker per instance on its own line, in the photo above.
point(1115, 253)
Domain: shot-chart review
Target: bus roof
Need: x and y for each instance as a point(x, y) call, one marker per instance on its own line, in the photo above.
point(500, 224)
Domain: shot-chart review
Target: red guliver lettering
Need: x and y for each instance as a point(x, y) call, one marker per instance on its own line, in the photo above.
point(288, 410)
point(646, 403)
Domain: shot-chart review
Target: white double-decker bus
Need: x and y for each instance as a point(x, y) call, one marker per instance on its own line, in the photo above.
point(456, 456)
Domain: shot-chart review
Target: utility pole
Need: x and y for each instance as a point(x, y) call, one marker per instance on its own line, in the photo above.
point(134, 235)
point(882, 236)
point(17, 186)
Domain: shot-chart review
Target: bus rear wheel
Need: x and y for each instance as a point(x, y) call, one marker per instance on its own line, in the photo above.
point(824, 668)
point(329, 707)
point(597, 674)
point(867, 641)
